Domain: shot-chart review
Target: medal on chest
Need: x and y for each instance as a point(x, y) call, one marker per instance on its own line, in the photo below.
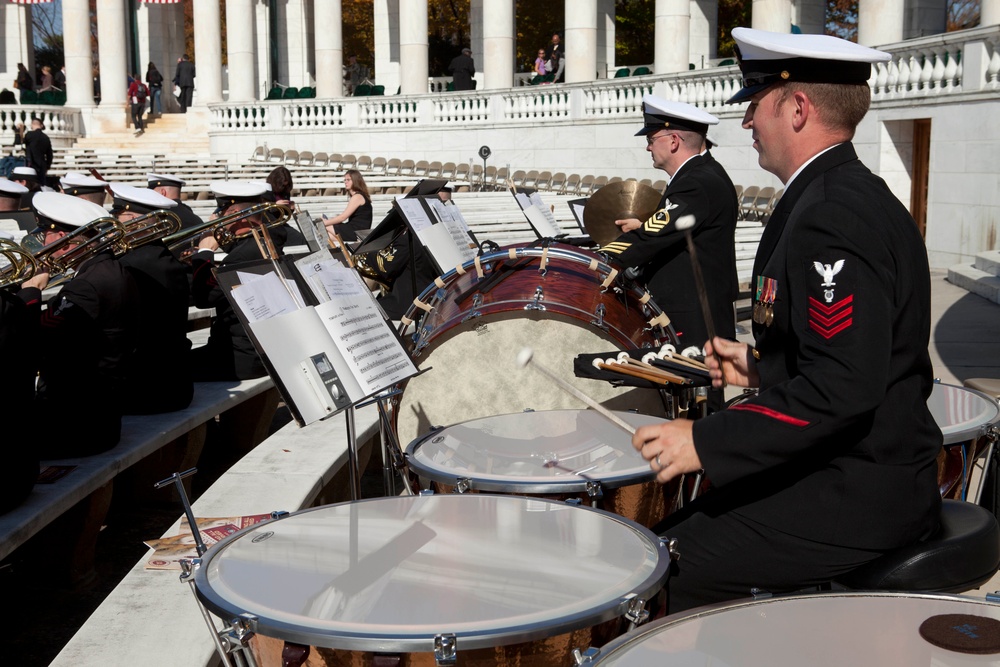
point(763, 306)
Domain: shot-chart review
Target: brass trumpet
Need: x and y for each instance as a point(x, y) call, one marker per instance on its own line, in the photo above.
point(20, 266)
point(275, 215)
point(145, 228)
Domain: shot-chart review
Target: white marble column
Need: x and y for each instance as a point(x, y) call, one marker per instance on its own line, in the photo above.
point(386, 56)
point(111, 52)
point(772, 15)
point(79, 61)
point(498, 43)
point(703, 31)
point(329, 37)
point(18, 39)
point(476, 38)
point(264, 77)
point(810, 16)
point(413, 47)
point(605, 36)
point(672, 36)
point(880, 21)
point(581, 40)
point(240, 18)
point(989, 12)
point(296, 47)
point(207, 51)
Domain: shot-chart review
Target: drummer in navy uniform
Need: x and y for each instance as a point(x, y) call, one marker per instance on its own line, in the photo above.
point(162, 351)
point(229, 353)
point(84, 187)
point(88, 332)
point(699, 186)
point(833, 462)
point(170, 186)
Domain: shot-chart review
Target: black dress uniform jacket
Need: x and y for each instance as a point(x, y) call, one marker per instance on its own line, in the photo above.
point(159, 378)
point(88, 335)
point(839, 446)
point(229, 353)
point(19, 314)
point(701, 188)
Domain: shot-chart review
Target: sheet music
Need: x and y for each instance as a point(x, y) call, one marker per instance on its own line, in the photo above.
point(577, 210)
point(536, 201)
point(448, 245)
point(522, 200)
point(541, 223)
point(326, 275)
point(413, 211)
point(372, 352)
point(246, 277)
point(263, 297)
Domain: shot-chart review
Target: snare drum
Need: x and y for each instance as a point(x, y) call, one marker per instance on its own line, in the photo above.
point(820, 630)
point(495, 580)
point(557, 453)
point(967, 419)
point(472, 322)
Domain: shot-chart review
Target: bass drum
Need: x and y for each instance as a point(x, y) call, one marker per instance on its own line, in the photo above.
point(559, 300)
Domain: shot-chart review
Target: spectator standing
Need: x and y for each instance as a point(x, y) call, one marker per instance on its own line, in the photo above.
point(137, 94)
point(155, 81)
point(556, 55)
point(59, 78)
point(24, 80)
point(462, 69)
point(355, 74)
point(184, 78)
point(46, 79)
point(38, 149)
point(541, 63)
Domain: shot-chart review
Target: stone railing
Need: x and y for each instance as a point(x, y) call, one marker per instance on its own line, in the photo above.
point(59, 122)
point(941, 67)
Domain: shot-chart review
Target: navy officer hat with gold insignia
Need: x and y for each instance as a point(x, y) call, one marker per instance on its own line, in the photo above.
point(228, 193)
point(138, 200)
point(658, 113)
point(767, 58)
point(64, 212)
point(74, 183)
point(163, 180)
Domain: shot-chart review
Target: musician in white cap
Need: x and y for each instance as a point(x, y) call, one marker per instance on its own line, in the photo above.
point(10, 195)
point(88, 332)
point(675, 135)
point(85, 187)
point(833, 463)
point(27, 177)
point(170, 186)
point(159, 378)
point(229, 353)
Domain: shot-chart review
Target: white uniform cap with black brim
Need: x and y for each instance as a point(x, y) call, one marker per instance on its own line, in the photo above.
point(658, 113)
point(228, 193)
point(11, 189)
point(165, 180)
point(138, 200)
point(767, 58)
point(74, 183)
point(67, 213)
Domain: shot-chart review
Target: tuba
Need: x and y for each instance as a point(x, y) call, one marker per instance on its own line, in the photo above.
point(145, 228)
point(185, 240)
point(18, 263)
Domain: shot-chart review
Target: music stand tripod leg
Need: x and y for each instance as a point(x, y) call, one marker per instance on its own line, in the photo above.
point(353, 468)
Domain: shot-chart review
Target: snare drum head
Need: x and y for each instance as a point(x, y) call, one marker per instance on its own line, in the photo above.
point(961, 413)
point(534, 452)
point(390, 574)
point(834, 629)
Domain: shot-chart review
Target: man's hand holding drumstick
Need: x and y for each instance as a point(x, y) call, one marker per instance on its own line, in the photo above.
point(669, 447)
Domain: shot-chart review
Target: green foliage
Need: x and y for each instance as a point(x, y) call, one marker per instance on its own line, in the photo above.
point(635, 22)
point(732, 14)
point(536, 21)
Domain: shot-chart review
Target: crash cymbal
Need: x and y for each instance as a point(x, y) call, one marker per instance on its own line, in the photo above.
point(617, 201)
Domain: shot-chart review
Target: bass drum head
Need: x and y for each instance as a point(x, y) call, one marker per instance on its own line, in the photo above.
point(475, 372)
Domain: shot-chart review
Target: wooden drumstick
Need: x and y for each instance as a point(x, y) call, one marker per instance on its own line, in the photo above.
point(685, 223)
point(640, 373)
point(524, 358)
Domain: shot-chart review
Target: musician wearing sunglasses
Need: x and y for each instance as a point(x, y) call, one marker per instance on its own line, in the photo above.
point(229, 353)
point(88, 331)
point(159, 378)
point(833, 462)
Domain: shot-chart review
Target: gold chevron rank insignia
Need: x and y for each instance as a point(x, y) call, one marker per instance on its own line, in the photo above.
point(657, 222)
point(616, 247)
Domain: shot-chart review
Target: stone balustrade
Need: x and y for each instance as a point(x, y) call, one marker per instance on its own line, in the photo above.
point(59, 122)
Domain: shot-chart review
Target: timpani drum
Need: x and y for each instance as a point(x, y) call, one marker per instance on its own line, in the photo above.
point(491, 580)
point(818, 630)
point(469, 326)
point(968, 420)
point(559, 454)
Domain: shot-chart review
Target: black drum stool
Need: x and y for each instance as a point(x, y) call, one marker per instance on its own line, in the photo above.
point(962, 554)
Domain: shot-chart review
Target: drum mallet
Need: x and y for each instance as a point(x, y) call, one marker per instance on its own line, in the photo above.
point(685, 223)
point(524, 357)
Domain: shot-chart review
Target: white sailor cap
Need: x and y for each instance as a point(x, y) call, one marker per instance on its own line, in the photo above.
point(138, 200)
point(25, 174)
point(74, 183)
point(767, 58)
point(228, 193)
point(11, 189)
point(167, 180)
point(58, 211)
point(658, 113)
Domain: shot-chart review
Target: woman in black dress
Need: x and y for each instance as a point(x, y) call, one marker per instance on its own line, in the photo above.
point(358, 214)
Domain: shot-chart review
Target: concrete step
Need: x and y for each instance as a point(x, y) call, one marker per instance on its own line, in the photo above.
point(986, 285)
point(988, 262)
